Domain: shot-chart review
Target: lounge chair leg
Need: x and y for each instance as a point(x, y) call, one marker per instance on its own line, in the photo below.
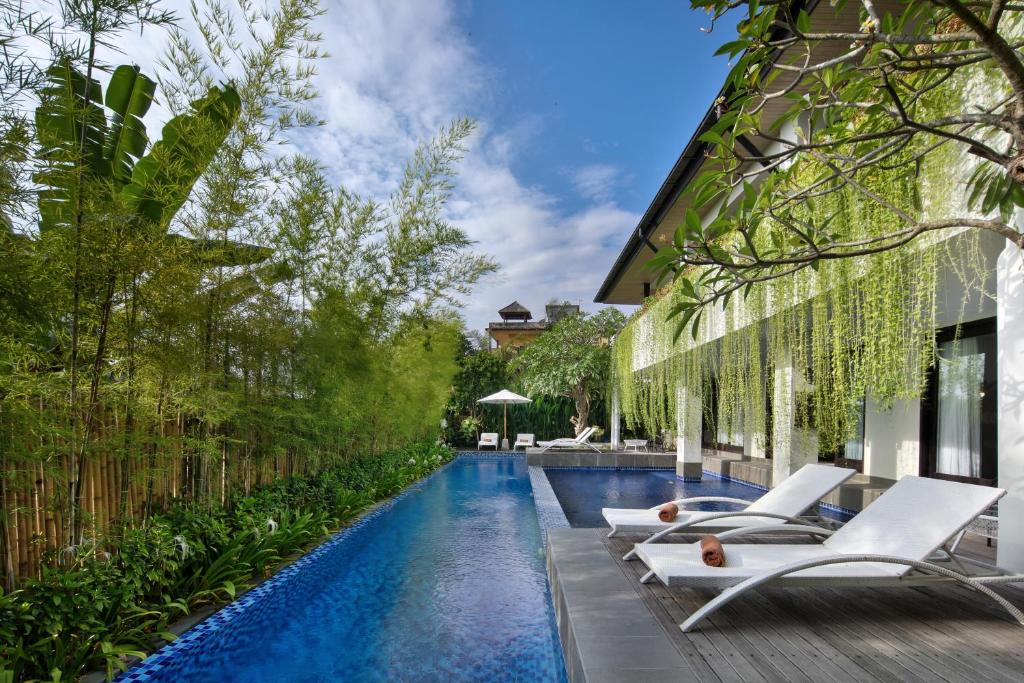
point(647, 577)
point(612, 532)
point(631, 555)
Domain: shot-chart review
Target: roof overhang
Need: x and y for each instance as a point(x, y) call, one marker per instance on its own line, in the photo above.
point(686, 168)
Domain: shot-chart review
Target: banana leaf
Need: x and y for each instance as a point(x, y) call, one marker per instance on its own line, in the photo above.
point(163, 178)
point(129, 96)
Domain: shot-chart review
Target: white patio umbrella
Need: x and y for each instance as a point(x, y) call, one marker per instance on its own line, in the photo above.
point(504, 397)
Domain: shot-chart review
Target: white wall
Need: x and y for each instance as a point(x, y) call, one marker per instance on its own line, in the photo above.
point(1010, 337)
point(892, 439)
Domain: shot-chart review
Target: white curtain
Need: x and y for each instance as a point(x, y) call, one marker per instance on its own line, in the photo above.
point(961, 378)
point(854, 449)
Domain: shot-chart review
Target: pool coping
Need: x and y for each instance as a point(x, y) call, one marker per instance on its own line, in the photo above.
point(607, 631)
point(550, 514)
point(222, 617)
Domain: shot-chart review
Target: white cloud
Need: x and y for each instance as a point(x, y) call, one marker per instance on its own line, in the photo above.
point(398, 72)
point(596, 182)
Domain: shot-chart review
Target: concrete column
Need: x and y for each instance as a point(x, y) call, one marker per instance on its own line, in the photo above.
point(792, 448)
point(892, 439)
point(1010, 340)
point(689, 408)
point(616, 431)
point(753, 444)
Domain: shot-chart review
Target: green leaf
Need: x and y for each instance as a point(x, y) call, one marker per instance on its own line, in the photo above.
point(733, 47)
point(162, 180)
point(129, 96)
point(803, 22)
point(693, 227)
point(71, 128)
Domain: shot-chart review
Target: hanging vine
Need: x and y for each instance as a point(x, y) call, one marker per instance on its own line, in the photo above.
point(852, 327)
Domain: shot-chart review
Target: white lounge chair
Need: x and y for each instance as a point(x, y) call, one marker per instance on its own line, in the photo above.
point(524, 440)
point(784, 503)
point(488, 439)
point(890, 543)
point(581, 440)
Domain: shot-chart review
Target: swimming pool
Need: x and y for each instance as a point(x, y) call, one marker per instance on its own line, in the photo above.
point(583, 492)
point(446, 583)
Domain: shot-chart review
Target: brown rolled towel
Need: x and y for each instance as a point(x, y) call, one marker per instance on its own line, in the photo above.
point(668, 512)
point(711, 551)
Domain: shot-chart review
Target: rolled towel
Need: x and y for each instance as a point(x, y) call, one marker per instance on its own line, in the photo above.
point(668, 512)
point(711, 551)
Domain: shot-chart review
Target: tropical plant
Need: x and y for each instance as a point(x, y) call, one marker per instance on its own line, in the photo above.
point(897, 94)
point(572, 359)
point(106, 195)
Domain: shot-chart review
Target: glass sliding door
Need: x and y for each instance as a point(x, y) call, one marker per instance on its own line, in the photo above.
point(962, 441)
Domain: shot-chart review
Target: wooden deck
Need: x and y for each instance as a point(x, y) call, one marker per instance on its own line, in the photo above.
point(945, 633)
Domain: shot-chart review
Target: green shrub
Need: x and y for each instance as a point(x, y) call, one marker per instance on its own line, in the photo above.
point(112, 598)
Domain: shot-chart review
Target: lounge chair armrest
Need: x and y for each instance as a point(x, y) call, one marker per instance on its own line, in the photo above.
point(734, 592)
point(705, 499)
point(775, 528)
point(676, 528)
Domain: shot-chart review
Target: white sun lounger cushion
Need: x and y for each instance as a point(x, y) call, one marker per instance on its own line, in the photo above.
point(792, 497)
point(680, 564)
point(913, 518)
point(640, 521)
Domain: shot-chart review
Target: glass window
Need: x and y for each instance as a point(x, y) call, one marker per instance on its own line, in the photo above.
point(854, 447)
point(965, 407)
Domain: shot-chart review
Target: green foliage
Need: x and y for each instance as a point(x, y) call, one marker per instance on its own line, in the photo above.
point(826, 248)
point(206, 317)
point(483, 372)
point(572, 360)
point(115, 598)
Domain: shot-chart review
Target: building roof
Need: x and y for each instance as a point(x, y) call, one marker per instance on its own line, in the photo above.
point(514, 308)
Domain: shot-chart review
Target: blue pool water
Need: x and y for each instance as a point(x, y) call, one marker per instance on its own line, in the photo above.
point(583, 492)
point(446, 584)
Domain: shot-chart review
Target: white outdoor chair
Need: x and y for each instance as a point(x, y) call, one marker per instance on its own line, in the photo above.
point(784, 503)
point(890, 543)
point(524, 440)
point(488, 439)
point(580, 441)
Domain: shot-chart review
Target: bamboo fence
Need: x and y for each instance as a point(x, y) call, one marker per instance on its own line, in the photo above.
point(34, 496)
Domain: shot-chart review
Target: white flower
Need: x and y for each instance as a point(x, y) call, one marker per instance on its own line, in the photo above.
point(271, 526)
point(412, 461)
point(182, 545)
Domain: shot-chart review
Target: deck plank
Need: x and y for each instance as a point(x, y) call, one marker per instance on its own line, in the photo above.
point(946, 633)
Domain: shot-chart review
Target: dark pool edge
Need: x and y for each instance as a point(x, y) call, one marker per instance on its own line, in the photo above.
point(550, 514)
point(221, 617)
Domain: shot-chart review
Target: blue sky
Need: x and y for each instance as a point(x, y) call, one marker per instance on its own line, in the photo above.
point(613, 85)
point(582, 107)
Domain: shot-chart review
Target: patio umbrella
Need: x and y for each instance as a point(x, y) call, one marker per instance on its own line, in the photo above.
point(504, 397)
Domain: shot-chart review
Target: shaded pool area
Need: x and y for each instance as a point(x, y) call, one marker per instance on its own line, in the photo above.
point(583, 492)
point(445, 583)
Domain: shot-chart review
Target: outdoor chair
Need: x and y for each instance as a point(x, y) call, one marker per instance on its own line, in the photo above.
point(784, 503)
point(582, 440)
point(488, 439)
point(524, 440)
point(891, 543)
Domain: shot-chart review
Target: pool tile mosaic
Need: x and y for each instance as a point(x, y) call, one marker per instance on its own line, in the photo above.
point(549, 510)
